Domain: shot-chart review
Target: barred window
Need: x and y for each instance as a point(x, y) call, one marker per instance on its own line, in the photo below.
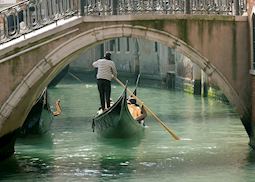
point(112, 45)
point(118, 44)
point(156, 47)
point(128, 46)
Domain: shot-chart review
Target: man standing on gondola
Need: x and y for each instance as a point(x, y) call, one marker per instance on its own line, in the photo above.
point(106, 69)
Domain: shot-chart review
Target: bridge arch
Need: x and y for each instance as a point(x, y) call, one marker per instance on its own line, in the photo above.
point(57, 59)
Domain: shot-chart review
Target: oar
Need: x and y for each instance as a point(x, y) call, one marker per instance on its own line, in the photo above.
point(137, 80)
point(136, 85)
point(152, 113)
point(75, 76)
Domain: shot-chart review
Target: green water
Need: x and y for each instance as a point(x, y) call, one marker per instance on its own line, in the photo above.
point(214, 145)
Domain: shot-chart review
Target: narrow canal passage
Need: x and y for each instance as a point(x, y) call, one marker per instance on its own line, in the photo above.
point(214, 146)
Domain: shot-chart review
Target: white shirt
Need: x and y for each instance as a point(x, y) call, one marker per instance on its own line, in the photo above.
point(106, 68)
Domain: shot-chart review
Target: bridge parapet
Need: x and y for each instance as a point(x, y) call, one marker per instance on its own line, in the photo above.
point(120, 7)
point(30, 15)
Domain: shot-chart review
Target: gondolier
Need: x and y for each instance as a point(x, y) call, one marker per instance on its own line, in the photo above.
point(105, 70)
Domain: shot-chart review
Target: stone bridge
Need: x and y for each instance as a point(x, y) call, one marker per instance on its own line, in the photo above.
point(219, 45)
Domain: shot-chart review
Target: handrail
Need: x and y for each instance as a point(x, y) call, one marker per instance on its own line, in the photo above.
point(29, 15)
point(11, 6)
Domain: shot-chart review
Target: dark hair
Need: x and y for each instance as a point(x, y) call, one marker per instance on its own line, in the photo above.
point(132, 101)
point(108, 56)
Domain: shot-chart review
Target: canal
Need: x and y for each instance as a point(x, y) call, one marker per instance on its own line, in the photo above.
point(214, 145)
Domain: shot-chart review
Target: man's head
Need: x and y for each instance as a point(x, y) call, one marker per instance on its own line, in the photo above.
point(108, 56)
point(132, 101)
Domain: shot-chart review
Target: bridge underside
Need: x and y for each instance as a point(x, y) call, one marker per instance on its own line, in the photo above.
point(210, 42)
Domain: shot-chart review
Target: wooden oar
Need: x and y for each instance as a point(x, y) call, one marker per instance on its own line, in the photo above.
point(75, 76)
point(152, 113)
point(136, 85)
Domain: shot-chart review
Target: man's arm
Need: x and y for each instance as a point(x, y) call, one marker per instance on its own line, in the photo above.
point(94, 64)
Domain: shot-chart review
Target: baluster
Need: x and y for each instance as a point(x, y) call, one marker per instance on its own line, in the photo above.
point(129, 6)
point(2, 34)
point(61, 8)
point(92, 8)
point(193, 6)
point(25, 24)
point(32, 15)
point(115, 7)
point(38, 15)
point(46, 12)
point(164, 6)
point(21, 26)
point(176, 7)
point(52, 9)
point(230, 8)
point(135, 6)
point(88, 7)
point(159, 7)
point(142, 4)
point(99, 8)
point(5, 25)
point(67, 7)
point(104, 4)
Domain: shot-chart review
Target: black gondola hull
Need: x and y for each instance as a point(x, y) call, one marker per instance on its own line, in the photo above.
point(117, 122)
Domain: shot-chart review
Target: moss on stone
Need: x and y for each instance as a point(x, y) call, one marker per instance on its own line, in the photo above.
point(217, 94)
point(156, 24)
point(234, 51)
point(188, 88)
point(19, 49)
point(182, 26)
point(14, 66)
point(200, 32)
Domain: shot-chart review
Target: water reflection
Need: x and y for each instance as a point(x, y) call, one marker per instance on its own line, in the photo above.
point(35, 158)
point(217, 149)
point(118, 159)
point(42, 141)
point(20, 165)
point(250, 158)
point(113, 167)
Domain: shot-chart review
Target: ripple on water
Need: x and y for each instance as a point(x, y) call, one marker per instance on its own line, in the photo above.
point(213, 145)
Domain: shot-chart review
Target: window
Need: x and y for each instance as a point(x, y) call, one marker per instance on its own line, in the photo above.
point(128, 46)
point(112, 45)
point(118, 44)
point(156, 47)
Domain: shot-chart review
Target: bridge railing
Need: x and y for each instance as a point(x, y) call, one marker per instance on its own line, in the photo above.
point(30, 15)
point(120, 7)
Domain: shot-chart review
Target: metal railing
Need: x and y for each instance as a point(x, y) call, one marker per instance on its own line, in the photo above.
point(120, 7)
point(30, 15)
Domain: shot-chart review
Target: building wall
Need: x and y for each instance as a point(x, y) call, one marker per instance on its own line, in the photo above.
point(83, 62)
point(153, 59)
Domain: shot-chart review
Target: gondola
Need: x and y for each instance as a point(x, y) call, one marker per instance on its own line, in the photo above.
point(117, 121)
point(40, 117)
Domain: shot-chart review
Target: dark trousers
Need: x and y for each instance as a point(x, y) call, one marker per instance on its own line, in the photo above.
point(104, 88)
